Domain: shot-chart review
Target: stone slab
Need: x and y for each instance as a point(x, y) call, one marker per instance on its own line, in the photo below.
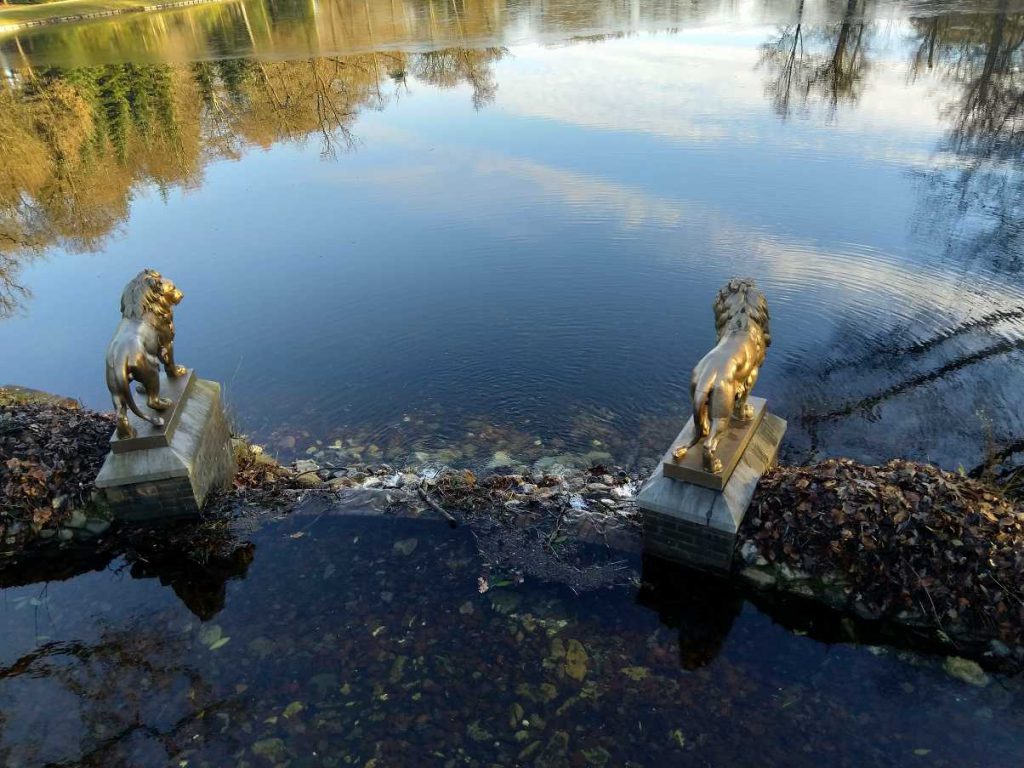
point(147, 435)
point(174, 480)
point(697, 526)
point(730, 448)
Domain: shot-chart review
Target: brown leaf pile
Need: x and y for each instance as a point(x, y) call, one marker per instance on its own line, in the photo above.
point(904, 537)
point(50, 454)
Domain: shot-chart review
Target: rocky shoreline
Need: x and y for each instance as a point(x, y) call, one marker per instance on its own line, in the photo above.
point(905, 547)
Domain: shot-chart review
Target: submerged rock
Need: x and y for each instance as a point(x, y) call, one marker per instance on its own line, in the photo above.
point(575, 660)
point(598, 757)
point(499, 459)
point(555, 753)
point(97, 526)
point(966, 670)
point(406, 546)
point(272, 750)
point(759, 578)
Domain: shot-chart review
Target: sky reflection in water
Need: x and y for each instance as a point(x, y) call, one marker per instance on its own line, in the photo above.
point(524, 241)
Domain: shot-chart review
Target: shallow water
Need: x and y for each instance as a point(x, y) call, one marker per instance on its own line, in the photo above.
point(471, 227)
point(323, 634)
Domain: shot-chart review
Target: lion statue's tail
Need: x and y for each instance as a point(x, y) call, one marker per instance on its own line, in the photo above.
point(701, 418)
point(701, 393)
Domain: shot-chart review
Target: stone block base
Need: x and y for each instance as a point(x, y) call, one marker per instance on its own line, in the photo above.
point(174, 480)
point(697, 526)
point(682, 541)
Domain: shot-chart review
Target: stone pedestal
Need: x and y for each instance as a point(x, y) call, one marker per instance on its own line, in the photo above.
point(696, 525)
point(170, 471)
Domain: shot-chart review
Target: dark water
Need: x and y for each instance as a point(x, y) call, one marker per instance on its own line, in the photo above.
point(324, 644)
point(458, 228)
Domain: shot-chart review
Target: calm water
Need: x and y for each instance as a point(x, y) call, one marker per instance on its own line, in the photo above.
point(454, 228)
point(335, 649)
point(437, 231)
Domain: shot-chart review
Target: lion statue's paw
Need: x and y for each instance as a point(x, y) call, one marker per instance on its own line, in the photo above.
point(712, 463)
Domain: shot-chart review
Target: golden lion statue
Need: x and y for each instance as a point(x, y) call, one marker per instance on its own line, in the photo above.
point(144, 339)
point(722, 380)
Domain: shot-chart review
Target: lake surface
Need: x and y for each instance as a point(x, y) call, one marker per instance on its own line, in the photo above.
point(434, 231)
point(437, 232)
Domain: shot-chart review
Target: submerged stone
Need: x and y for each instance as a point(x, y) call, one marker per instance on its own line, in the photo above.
point(97, 526)
point(759, 578)
point(576, 660)
point(636, 674)
point(505, 601)
point(270, 749)
point(515, 715)
point(555, 754)
point(499, 459)
point(598, 757)
point(406, 546)
point(966, 670)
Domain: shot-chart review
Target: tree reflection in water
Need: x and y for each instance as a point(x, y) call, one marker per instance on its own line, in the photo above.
point(826, 64)
point(78, 143)
point(972, 202)
point(983, 184)
point(131, 696)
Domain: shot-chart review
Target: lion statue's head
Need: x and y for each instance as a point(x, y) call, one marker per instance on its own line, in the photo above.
point(739, 305)
point(150, 297)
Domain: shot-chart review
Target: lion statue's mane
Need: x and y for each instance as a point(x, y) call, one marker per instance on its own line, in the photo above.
point(143, 341)
point(739, 305)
